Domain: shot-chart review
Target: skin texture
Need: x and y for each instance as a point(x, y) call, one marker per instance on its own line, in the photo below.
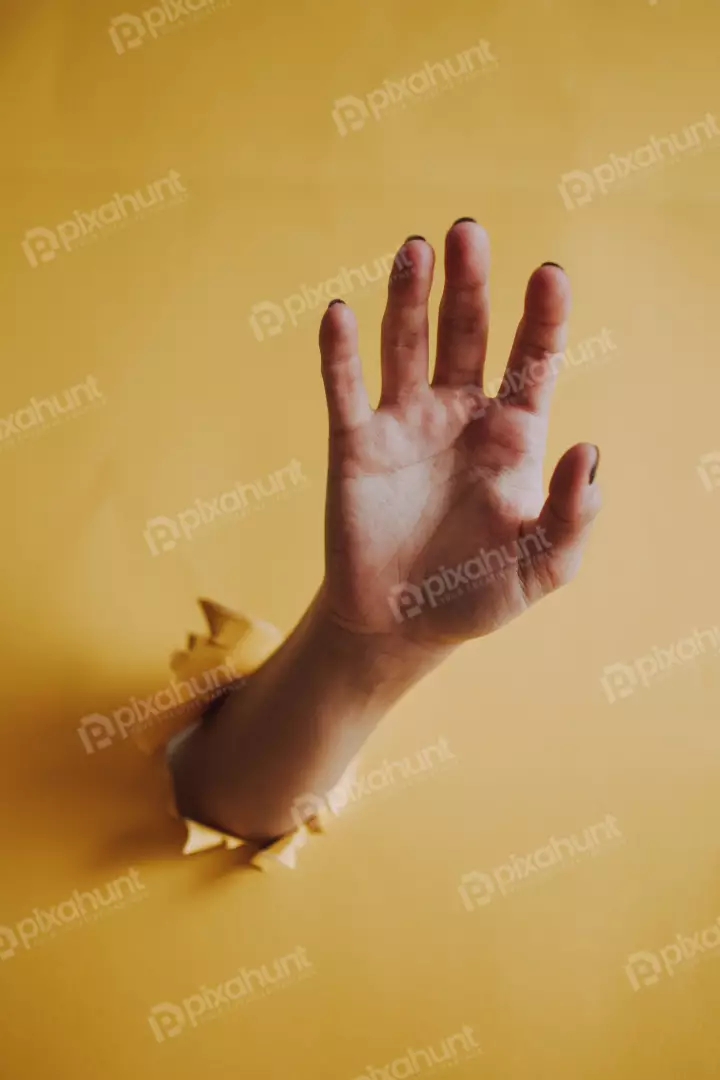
point(431, 477)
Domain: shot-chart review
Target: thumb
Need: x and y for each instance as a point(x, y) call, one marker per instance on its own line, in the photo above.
point(572, 505)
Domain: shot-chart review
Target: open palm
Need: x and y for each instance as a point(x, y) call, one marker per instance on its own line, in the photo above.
point(437, 526)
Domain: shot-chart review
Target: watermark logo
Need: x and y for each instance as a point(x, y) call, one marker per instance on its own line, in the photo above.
point(709, 470)
point(478, 888)
point(165, 533)
point(75, 911)
point(622, 680)
point(589, 351)
point(268, 319)
point(131, 31)
point(386, 777)
point(98, 732)
point(43, 245)
point(168, 1019)
point(445, 585)
point(38, 416)
point(352, 113)
point(454, 1049)
point(648, 968)
point(578, 188)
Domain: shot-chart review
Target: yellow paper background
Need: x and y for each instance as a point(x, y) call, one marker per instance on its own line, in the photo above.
point(239, 104)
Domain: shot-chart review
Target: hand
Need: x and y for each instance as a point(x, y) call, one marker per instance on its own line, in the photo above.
point(437, 528)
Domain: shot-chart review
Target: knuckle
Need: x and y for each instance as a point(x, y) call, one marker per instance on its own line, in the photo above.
point(406, 328)
point(465, 324)
point(537, 352)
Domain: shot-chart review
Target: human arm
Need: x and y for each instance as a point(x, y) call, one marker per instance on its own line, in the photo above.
point(437, 531)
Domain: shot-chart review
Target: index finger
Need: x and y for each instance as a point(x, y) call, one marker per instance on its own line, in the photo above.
point(540, 338)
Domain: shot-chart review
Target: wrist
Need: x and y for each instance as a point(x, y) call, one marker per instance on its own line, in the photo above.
point(380, 667)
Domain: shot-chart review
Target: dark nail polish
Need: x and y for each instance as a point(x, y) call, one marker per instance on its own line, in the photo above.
point(415, 238)
point(335, 302)
point(593, 471)
point(559, 267)
point(460, 220)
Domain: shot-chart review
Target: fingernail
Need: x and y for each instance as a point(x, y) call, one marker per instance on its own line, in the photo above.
point(559, 267)
point(593, 471)
point(335, 302)
point(415, 238)
point(461, 219)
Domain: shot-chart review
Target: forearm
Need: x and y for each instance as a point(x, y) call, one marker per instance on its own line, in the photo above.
point(293, 728)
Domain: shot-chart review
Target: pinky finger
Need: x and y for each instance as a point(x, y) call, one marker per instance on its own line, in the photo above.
point(347, 400)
